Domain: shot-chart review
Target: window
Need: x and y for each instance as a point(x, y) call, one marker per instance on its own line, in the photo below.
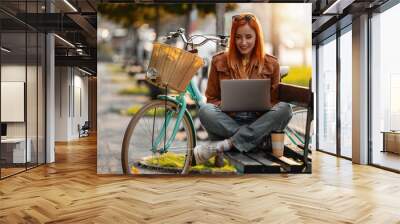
point(385, 84)
point(327, 96)
point(22, 75)
point(346, 94)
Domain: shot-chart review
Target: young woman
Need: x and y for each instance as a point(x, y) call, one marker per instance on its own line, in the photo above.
point(245, 59)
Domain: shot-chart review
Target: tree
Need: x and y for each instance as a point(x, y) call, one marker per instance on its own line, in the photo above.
point(135, 15)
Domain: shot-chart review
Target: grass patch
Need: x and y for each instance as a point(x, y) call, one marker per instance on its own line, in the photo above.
point(298, 76)
point(172, 160)
point(115, 68)
point(209, 165)
point(135, 90)
point(168, 159)
point(133, 110)
point(120, 79)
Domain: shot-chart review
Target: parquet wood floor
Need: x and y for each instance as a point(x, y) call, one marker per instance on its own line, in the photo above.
point(10, 171)
point(70, 191)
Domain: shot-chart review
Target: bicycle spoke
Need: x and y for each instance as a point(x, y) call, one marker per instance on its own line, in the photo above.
point(148, 127)
point(152, 136)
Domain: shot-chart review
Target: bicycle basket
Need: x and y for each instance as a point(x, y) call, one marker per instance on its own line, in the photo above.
point(172, 67)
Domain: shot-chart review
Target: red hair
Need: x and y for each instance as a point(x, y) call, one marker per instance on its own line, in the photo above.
point(257, 54)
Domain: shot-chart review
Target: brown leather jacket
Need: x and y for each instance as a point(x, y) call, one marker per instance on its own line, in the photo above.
point(219, 70)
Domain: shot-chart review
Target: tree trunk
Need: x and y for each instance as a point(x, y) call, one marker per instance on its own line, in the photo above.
point(188, 20)
point(274, 32)
point(220, 19)
point(157, 25)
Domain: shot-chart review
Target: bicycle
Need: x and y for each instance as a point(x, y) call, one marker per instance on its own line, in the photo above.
point(150, 141)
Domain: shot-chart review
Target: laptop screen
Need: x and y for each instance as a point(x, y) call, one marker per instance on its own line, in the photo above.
point(245, 95)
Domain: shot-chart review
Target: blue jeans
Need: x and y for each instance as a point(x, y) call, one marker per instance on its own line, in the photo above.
point(246, 130)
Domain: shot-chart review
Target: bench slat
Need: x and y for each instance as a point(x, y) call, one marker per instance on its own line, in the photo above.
point(242, 163)
point(293, 94)
point(261, 158)
point(292, 150)
point(287, 163)
point(246, 164)
point(268, 166)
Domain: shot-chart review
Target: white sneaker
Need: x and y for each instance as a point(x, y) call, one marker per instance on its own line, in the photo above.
point(204, 152)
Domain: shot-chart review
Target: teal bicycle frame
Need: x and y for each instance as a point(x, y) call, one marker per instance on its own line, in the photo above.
point(180, 101)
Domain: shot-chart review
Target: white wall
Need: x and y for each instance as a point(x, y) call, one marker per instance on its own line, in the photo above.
point(62, 81)
point(14, 73)
point(80, 118)
point(12, 100)
point(71, 94)
point(33, 126)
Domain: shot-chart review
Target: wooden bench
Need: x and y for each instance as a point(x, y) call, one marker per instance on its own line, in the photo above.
point(295, 158)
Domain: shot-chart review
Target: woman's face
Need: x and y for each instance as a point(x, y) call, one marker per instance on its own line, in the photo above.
point(245, 39)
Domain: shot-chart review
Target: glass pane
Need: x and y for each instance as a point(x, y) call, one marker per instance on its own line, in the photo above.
point(32, 85)
point(22, 63)
point(41, 98)
point(327, 97)
point(31, 97)
point(346, 94)
point(13, 86)
point(385, 85)
point(17, 8)
point(314, 89)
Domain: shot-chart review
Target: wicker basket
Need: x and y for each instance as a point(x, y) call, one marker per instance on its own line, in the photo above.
point(172, 67)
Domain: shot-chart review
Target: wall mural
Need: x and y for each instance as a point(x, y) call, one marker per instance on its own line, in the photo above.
point(204, 88)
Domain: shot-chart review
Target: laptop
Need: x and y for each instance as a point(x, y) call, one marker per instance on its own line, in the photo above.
point(248, 95)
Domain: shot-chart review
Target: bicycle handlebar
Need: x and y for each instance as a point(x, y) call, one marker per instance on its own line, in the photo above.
point(221, 40)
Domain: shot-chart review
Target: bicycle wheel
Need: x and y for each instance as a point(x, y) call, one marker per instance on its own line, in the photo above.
point(141, 134)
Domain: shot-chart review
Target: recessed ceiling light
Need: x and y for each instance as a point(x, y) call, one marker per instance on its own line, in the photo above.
point(64, 40)
point(84, 71)
point(70, 5)
point(5, 50)
point(338, 6)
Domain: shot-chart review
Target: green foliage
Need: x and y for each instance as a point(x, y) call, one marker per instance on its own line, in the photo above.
point(167, 160)
point(135, 109)
point(131, 15)
point(135, 90)
point(134, 15)
point(209, 165)
point(159, 113)
point(131, 110)
point(115, 69)
point(174, 160)
point(300, 75)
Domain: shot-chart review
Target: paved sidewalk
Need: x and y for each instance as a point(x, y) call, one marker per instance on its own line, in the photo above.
point(111, 124)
